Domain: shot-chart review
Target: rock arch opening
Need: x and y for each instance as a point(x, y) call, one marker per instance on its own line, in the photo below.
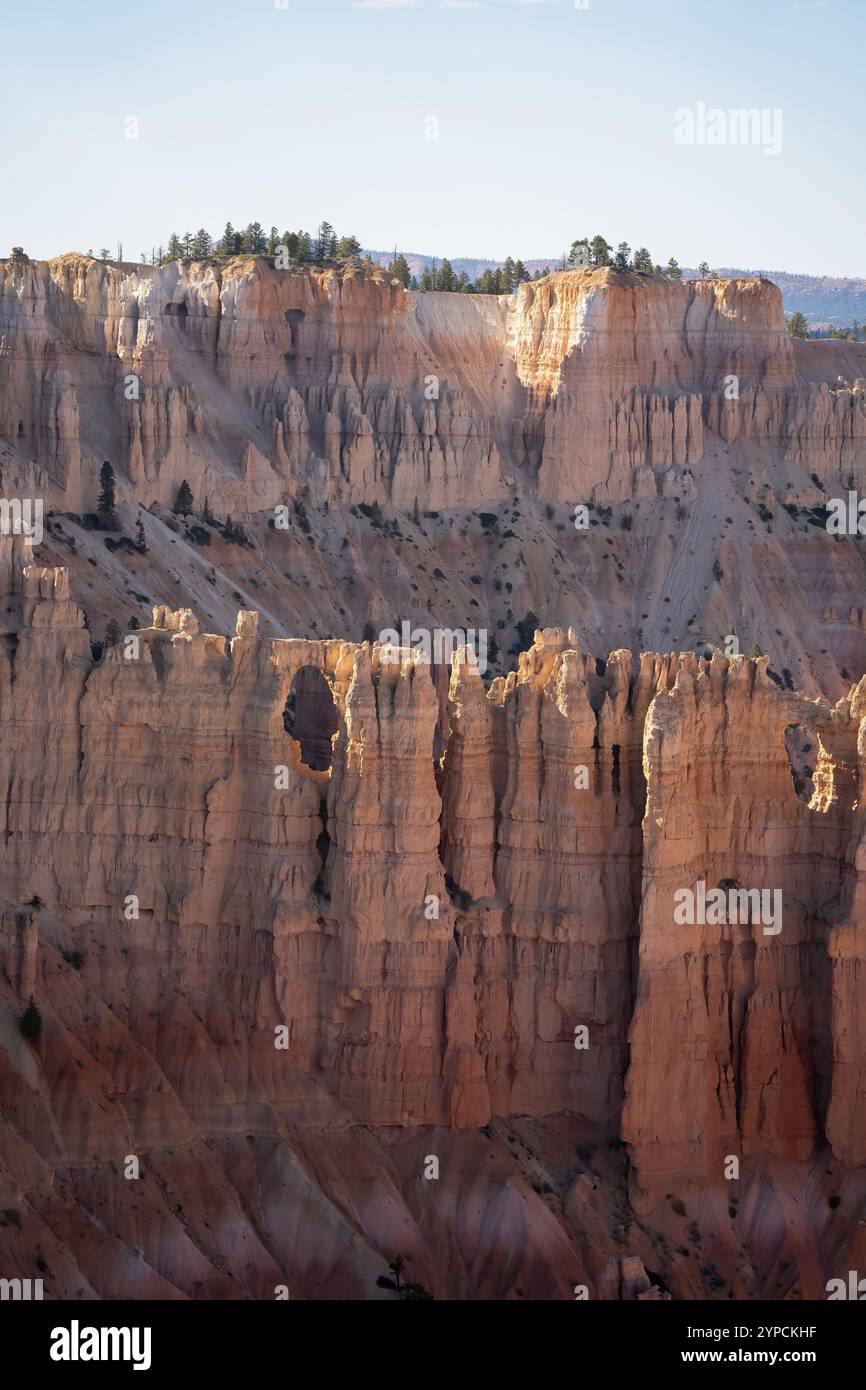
point(310, 716)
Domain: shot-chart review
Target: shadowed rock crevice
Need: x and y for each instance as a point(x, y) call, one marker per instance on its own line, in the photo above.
point(802, 748)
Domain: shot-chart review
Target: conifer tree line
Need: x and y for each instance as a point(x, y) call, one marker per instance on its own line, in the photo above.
point(499, 280)
point(599, 252)
point(326, 247)
point(798, 327)
point(496, 280)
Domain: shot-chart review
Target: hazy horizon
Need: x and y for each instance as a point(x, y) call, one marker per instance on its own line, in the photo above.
point(554, 262)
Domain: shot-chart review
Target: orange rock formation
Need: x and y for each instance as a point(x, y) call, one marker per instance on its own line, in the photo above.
point(305, 922)
point(158, 819)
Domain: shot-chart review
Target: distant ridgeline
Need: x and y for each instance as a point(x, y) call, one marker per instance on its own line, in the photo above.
point(824, 300)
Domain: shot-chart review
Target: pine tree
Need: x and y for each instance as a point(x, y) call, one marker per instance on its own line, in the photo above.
point(227, 241)
point(140, 537)
point(201, 245)
point(106, 501)
point(521, 274)
point(446, 279)
point(273, 242)
point(31, 1023)
point(672, 270)
point(399, 267)
point(620, 260)
point(642, 261)
point(599, 251)
point(326, 243)
point(183, 501)
point(305, 246)
point(579, 253)
point(112, 633)
point(703, 270)
point(175, 250)
point(253, 239)
point(407, 1290)
point(797, 326)
point(397, 1265)
point(506, 276)
point(348, 246)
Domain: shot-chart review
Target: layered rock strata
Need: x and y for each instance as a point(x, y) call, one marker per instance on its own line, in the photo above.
point(254, 384)
point(489, 935)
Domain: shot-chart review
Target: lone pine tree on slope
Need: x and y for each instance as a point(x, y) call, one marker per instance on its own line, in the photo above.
point(106, 501)
point(183, 501)
point(31, 1023)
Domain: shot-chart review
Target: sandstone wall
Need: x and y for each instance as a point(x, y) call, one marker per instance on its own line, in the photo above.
point(254, 383)
point(447, 941)
point(732, 1022)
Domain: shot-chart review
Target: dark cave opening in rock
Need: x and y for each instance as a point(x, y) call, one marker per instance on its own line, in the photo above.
point(323, 848)
point(803, 749)
point(310, 716)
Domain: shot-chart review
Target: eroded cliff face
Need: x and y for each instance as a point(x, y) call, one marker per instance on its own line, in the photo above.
point(733, 1020)
point(301, 914)
point(253, 383)
point(421, 456)
point(262, 977)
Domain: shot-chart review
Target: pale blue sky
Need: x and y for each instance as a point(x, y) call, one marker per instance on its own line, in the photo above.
point(554, 122)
